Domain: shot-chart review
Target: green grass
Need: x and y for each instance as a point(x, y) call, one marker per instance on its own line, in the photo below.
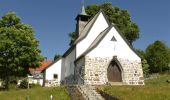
point(154, 89)
point(39, 93)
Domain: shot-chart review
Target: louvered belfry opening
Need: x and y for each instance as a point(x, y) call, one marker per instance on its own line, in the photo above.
point(114, 72)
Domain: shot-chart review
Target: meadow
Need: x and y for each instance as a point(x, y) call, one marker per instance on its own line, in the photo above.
point(154, 89)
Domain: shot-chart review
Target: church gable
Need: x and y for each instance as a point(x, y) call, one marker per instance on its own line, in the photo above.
point(85, 39)
point(113, 44)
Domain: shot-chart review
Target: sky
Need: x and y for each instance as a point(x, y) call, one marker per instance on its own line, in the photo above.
point(52, 20)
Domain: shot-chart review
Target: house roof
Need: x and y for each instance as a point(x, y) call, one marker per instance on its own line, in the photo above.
point(44, 64)
point(52, 63)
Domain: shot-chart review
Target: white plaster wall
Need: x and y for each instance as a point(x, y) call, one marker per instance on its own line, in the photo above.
point(41, 82)
point(63, 69)
point(69, 63)
point(108, 48)
point(38, 81)
point(99, 26)
point(54, 69)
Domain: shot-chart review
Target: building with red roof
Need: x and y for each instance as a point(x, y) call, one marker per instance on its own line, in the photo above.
point(36, 75)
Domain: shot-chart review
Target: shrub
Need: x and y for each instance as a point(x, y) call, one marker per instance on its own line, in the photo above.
point(34, 85)
point(23, 84)
point(145, 68)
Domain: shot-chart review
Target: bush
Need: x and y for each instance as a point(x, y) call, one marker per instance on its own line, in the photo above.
point(34, 85)
point(145, 68)
point(23, 84)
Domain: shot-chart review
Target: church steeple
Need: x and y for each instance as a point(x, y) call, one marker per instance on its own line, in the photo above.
point(82, 19)
point(83, 11)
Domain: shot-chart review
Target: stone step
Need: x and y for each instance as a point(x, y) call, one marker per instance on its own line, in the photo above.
point(74, 93)
point(116, 83)
point(89, 92)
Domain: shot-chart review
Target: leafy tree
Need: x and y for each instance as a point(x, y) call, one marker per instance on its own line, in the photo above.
point(158, 57)
point(18, 48)
point(57, 56)
point(121, 18)
point(140, 53)
point(73, 36)
point(145, 67)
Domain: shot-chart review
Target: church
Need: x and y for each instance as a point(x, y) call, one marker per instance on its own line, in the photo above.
point(100, 55)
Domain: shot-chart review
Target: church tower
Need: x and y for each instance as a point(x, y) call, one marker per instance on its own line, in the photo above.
point(82, 20)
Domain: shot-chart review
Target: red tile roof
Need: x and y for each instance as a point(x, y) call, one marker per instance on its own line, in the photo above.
point(44, 64)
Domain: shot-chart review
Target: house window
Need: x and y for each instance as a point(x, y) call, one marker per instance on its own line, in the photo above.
point(113, 39)
point(55, 76)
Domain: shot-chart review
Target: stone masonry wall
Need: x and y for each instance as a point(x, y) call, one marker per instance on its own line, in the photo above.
point(95, 71)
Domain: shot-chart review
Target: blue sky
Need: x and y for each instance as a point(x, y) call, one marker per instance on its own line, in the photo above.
point(52, 20)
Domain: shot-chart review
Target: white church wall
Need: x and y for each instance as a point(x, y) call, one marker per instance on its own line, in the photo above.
point(100, 25)
point(100, 57)
point(108, 48)
point(69, 63)
point(54, 69)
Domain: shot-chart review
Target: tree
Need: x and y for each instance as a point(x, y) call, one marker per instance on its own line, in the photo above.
point(145, 67)
point(57, 56)
point(18, 48)
point(141, 53)
point(73, 36)
point(121, 18)
point(158, 57)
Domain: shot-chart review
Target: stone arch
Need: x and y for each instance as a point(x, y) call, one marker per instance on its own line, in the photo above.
point(114, 71)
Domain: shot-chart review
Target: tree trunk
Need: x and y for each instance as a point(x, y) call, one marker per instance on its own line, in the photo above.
point(7, 83)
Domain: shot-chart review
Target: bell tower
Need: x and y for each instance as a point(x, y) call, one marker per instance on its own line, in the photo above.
point(82, 20)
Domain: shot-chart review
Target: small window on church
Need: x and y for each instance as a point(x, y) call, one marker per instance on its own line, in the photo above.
point(55, 76)
point(113, 39)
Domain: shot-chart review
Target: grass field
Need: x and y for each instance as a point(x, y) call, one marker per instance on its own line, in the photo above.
point(39, 93)
point(154, 89)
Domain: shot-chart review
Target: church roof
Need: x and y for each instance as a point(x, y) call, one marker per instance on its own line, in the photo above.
point(97, 40)
point(100, 38)
point(88, 27)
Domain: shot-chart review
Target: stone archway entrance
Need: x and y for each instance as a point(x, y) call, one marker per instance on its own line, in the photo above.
point(114, 72)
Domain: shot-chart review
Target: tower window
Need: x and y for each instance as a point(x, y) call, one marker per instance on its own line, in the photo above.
point(113, 39)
